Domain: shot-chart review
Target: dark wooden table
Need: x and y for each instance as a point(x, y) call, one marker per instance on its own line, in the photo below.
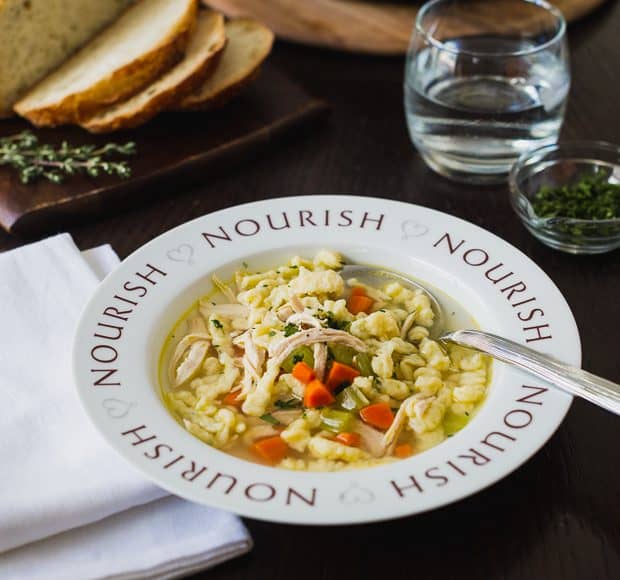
point(558, 516)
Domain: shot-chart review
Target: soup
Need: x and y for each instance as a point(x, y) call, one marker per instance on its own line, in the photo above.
point(292, 367)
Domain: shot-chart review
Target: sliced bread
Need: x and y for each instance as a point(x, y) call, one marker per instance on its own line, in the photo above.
point(38, 36)
point(249, 43)
point(145, 41)
point(201, 57)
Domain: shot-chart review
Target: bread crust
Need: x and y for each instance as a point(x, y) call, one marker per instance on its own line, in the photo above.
point(164, 99)
point(221, 98)
point(194, 102)
point(118, 85)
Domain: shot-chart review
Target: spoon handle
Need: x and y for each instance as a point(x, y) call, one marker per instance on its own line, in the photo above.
point(575, 381)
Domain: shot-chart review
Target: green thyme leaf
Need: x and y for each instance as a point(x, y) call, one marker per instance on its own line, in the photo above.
point(34, 160)
point(217, 323)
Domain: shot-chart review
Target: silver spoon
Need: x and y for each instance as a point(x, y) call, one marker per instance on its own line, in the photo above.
point(575, 381)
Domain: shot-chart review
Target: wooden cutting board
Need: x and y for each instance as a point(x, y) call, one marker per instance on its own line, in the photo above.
point(173, 148)
point(352, 25)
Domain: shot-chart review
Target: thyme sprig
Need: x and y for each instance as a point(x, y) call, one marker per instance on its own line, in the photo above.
point(34, 160)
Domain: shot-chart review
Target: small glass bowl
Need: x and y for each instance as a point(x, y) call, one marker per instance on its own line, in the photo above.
point(562, 164)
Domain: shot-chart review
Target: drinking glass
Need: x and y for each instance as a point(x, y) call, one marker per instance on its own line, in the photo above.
point(485, 80)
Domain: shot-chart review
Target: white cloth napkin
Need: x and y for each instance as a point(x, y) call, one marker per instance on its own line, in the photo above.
point(57, 475)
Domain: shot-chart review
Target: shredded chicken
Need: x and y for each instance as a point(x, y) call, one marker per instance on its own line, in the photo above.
point(285, 311)
point(224, 289)
point(371, 440)
point(297, 304)
point(286, 346)
point(255, 356)
point(190, 352)
point(391, 436)
point(259, 432)
point(187, 358)
point(320, 360)
point(306, 318)
point(252, 361)
point(287, 416)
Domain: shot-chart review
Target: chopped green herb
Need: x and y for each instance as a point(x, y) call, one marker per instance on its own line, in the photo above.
point(290, 329)
point(272, 333)
point(297, 358)
point(295, 266)
point(591, 197)
point(290, 404)
point(269, 418)
point(336, 324)
point(217, 323)
point(245, 265)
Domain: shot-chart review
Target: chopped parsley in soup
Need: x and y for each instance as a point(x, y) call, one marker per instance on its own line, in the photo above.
point(293, 367)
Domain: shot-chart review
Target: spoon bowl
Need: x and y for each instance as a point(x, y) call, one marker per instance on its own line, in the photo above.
point(572, 380)
point(378, 277)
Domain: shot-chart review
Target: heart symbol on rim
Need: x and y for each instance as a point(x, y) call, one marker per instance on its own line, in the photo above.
point(182, 253)
point(117, 408)
point(413, 229)
point(356, 494)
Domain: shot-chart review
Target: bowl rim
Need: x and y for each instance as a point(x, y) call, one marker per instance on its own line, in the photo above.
point(535, 157)
point(408, 234)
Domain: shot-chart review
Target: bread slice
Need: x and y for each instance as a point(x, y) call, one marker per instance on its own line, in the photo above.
point(37, 36)
point(145, 41)
point(205, 45)
point(249, 43)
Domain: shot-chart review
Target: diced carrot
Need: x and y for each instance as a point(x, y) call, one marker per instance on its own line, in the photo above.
point(303, 372)
point(349, 439)
point(403, 450)
point(358, 291)
point(272, 450)
point(357, 304)
point(340, 373)
point(378, 415)
point(232, 400)
point(317, 395)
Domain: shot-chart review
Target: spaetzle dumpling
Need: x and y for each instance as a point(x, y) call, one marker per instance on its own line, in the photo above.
point(380, 325)
point(246, 383)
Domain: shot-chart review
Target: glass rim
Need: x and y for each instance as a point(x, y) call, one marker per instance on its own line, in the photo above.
point(542, 46)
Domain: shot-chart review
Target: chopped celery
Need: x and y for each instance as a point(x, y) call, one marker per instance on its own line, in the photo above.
point(352, 399)
point(453, 422)
point(363, 363)
point(303, 353)
point(336, 421)
point(343, 354)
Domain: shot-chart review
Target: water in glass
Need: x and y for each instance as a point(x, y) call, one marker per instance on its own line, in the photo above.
point(474, 103)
